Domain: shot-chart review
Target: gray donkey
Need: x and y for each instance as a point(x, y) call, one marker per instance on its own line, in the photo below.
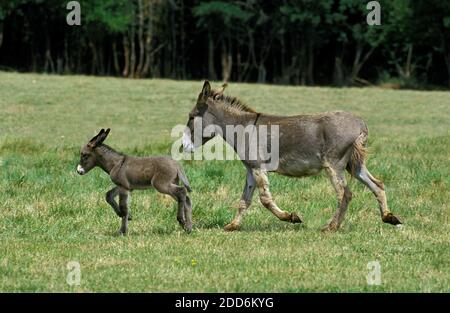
point(333, 141)
point(130, 173)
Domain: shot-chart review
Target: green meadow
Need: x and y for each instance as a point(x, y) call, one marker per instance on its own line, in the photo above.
point(51, 216)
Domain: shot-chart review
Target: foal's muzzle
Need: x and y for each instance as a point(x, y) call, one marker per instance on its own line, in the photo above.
point(80, 170)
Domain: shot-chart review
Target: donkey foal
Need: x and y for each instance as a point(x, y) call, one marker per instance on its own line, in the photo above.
point(130, 173)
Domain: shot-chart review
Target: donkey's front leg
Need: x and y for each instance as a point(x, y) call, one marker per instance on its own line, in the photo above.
point(110, 198)
point(265, 197)
point(123, 206)
point(245, 202)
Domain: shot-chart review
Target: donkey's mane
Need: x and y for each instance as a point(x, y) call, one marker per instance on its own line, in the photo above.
point(108, 149)
point(235, 103)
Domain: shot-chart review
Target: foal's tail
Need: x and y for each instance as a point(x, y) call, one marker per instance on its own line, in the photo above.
point(184, 179)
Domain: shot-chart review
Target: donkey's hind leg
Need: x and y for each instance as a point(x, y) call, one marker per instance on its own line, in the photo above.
point(265, 196)
point(377, 188)
point(343, 195)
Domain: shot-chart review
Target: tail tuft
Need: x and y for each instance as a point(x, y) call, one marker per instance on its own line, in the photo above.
point(359, 153)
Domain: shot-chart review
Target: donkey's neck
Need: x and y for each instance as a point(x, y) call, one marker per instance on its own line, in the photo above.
point(108, 158)
point(236, 123)
point(235, 118)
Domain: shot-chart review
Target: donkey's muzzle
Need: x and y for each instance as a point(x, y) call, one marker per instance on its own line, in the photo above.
point(188, 146)
point(80, 170)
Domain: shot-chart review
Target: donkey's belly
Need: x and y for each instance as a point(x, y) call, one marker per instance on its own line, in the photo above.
point(291, 166)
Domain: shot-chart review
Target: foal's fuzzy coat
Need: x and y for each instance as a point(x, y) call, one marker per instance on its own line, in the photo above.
point(130, 173)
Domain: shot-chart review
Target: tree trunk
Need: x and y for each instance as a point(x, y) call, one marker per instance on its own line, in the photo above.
point(358, 63)
point(303, 67)
point(1, 34)
point(140, 40)
point(338, 73)
point(447, 61)
point(66, 57)
point(101, 61)
point(174, 61)
point(227, 62)
point(182, 55)
point(59, 65)
point(132, 51)
point(284, 75)
point(49, 64)
point(407, 70)
point(126, 56)
point(115, 58)
point(94, 64)
point(211, 71)
point(310, 66)
point(262, 73)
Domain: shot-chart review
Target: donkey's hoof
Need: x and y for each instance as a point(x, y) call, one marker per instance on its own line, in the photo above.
point(391, 219)
point(130, 217)
point(295, 218)
point(231, 227)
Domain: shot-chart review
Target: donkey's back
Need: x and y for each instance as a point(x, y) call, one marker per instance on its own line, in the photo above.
point(307, 143)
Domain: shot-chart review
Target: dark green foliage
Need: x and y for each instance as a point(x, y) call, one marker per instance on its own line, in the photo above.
point(287, 42)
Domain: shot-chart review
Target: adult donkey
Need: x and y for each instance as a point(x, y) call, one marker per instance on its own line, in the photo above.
point(333, 141)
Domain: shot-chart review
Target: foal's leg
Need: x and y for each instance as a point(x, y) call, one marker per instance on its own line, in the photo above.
point(123, 206)
point(179, 194)
point(110, 195)
point(377, 188)
point(110, 198)
point(245, 201)
point(188, 213)
point(343, 195)
point(265, 197)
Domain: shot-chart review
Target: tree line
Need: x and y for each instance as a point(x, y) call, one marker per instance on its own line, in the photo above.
point(301, 42)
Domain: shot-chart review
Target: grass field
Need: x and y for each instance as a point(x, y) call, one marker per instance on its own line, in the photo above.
point(51, 215)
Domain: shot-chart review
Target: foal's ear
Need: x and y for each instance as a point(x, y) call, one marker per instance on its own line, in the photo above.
point(92, 141)
point(97, 140)
point(206, 90)
point(102, 137)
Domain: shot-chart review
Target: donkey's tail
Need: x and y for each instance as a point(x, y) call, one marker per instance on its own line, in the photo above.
point(184, 179)
point(359, 153)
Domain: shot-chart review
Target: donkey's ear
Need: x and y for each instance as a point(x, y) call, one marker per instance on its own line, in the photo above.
point(206, 90)
point(219, 93)
point(102, 137)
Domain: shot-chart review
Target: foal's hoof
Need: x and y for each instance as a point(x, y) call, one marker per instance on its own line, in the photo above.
point(188, 229)
point(231, 227)
point(295, 218)
point(391, 219)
